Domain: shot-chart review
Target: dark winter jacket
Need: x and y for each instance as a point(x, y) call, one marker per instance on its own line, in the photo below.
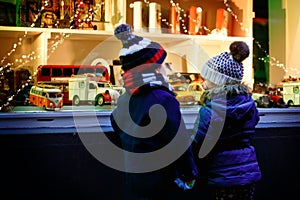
point(139, 107)
point(228, 116)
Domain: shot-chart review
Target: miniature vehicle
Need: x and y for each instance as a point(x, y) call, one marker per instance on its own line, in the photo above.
point(184, 96)
point(268, 100)
point(290, 92)
point(276, 99)
point(84, 89)
point(59, 75)
point(47, 73)
point(104, 84)
point(48, 97)
point(197, 90)
point(264, 101)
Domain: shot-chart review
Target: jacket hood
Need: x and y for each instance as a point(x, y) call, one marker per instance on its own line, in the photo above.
point(235, 99)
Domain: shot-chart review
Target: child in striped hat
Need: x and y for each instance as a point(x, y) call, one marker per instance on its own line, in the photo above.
point(150, 177)
point(140, 58)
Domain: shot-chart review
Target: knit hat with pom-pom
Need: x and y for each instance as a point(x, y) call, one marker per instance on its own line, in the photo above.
point(138, 51)
point(227, 68)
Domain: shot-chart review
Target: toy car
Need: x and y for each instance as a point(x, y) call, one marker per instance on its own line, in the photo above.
point(184, 96)
point(197, 90)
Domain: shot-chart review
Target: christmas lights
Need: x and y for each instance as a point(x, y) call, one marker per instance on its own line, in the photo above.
point(235, 17)
point(79, 22)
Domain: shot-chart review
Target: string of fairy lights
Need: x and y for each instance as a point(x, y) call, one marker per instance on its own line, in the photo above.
point(22, 60)
point(271, 60)
point(52, 46)
point(77, 16)
point(235, 17)
point(78, 22)
point(267, 59)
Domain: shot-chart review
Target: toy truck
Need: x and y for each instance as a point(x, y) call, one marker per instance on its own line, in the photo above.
point(85, 89)
point(290, 92)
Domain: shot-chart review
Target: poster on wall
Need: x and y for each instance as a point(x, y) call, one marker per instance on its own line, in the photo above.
point(29, 10)
point(32, 14)
point(50, 14)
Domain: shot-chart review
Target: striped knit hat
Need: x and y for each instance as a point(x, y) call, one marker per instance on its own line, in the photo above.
point(138, 51)
point(227, 67)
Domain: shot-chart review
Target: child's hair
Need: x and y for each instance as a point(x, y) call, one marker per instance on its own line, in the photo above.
point(229, 90)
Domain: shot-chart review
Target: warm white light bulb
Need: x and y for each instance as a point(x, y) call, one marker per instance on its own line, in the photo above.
point(199, 10)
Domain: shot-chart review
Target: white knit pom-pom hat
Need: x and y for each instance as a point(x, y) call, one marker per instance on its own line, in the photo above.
point(227, 67)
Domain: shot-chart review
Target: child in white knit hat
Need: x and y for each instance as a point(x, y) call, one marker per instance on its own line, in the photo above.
point(226, 159)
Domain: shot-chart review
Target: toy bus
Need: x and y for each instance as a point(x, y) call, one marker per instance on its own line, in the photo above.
point(46, 73)
point(48, 97)
point(290, 92)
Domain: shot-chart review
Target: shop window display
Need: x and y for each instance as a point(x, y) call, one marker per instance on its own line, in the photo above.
point(205, 24)
point(69, 33)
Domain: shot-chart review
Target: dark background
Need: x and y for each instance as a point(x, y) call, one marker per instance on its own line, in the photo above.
point(58, 166)
point(260, 7)
point(261, 41)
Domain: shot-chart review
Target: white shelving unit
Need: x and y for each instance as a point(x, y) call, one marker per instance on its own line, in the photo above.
point(187, 53)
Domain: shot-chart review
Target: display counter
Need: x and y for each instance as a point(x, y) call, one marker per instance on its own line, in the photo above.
point(65, 122)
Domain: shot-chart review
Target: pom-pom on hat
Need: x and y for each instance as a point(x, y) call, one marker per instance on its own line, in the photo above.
point(137, 50)
point(227, 67)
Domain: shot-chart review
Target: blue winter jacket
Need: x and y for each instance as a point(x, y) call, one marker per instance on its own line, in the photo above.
point(228, 116)
point(139, 107)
